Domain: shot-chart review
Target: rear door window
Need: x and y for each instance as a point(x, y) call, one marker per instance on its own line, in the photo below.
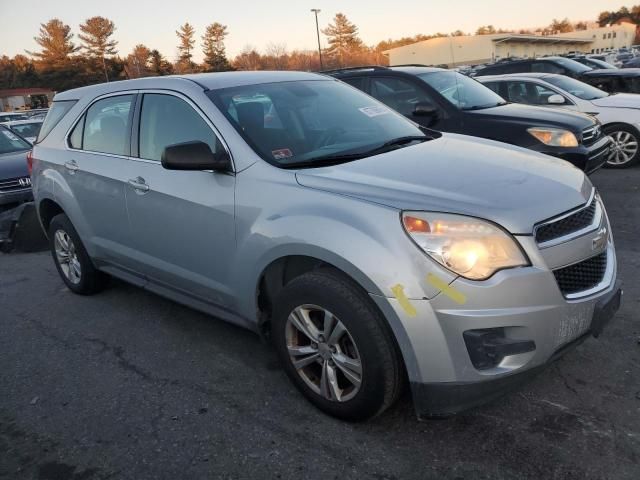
point(58, 110)
point(107, 125)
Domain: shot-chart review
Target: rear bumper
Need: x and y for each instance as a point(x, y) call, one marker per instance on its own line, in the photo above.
point(448, 398)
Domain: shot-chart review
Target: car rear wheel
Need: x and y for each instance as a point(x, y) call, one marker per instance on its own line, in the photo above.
point(335, 346)
point(625, 150)
point(71, 258)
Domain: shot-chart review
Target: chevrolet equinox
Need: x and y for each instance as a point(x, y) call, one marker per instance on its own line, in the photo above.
point(371, 251)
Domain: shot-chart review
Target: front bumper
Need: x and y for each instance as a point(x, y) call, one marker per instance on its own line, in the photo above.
point(443, 399)
point(15, 197)
point(586, 158)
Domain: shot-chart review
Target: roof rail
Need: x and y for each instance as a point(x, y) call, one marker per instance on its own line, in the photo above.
point(411, 65)
point(362, 67)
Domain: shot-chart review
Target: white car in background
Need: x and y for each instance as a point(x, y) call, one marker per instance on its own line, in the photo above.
point(27, 129)
point(618, 113)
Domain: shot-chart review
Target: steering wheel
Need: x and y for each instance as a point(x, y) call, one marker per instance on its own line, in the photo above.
point(329, 136)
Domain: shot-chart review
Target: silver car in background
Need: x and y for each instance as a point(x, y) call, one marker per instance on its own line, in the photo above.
point(619, 113)
point(372, 252)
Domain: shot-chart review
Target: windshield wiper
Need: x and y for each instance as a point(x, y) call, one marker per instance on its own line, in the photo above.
point(329, 160)
point(483, 107)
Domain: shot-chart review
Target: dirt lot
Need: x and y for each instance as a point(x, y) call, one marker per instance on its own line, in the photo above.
point(127, 385)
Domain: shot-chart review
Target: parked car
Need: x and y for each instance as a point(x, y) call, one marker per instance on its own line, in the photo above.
point(27, 129)
point(619, 114)
point(12, 116)
point(15, 183)
point(595, 63)
point(610, 80)
point(633, 63)
point(371, 250)
point(450, 102)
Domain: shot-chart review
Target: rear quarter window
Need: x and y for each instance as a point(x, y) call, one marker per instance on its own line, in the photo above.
point(57, 111)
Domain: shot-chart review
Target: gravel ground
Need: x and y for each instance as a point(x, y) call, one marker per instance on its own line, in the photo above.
point(127, 385)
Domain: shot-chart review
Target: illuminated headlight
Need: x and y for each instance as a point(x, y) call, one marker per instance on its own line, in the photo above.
point(554, 137)
point(470, 247)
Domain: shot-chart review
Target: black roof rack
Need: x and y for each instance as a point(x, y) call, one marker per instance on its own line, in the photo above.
point(411, 65)
point(362, 67)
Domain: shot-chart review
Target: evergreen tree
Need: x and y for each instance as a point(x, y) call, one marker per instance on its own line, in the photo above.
point(158, 65)
point(55, 40)
point(96, 38)
point(215, 59)
point(185, 47)
point(343, 39)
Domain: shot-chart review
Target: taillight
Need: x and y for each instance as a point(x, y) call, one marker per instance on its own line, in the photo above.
point(30, 161)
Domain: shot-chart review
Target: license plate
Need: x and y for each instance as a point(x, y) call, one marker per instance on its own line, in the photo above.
point(575, 323)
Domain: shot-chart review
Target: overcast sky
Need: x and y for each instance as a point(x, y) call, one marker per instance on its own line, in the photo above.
point(256, 23)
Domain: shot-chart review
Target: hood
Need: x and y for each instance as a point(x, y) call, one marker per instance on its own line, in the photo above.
point(510, 186)
point(536, 116)
point(619, 100)
point(13, 165)
point(609, 72)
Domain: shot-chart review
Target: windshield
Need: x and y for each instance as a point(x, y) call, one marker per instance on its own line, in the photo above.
point(299, 123)
point(27, 129)
point(10, 142)
point(576, 87)
point(463, 92)
point(571, 65)
point(596, 63)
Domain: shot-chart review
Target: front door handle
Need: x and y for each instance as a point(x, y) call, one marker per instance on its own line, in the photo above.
point(139, 184)
point(72, 166)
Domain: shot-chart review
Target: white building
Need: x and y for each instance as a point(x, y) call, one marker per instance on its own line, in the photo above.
point(475, 49)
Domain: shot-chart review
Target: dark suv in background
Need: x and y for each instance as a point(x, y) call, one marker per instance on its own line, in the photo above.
point(607, 79)
point(15, 183)
point(451, 102)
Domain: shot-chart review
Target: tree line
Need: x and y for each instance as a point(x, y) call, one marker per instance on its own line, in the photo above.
point(61, 63)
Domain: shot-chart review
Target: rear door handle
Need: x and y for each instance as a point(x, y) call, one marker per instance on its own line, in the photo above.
point(139, 184)
point(72, 166)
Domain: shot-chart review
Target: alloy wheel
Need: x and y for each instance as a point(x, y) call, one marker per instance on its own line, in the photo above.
point(67, 257)
point(623, 149)
point(323, 353)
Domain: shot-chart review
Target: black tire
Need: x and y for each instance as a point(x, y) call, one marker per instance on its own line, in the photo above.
point(623, 130)
point(383, 374)
point(90, 280)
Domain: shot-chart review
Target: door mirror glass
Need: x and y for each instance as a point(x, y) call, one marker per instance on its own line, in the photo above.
point(556, 99)
point(194, 156)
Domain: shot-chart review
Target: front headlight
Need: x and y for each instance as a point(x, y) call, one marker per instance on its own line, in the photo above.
point(470, 247)
point(554, 137)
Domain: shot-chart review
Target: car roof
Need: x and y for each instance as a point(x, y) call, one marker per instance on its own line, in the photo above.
point(208, 81)
point(366, 69)
point(21, 122)
point(530, 75)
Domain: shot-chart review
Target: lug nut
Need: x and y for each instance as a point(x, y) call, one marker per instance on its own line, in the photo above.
point(314, 345)
point(333, 349)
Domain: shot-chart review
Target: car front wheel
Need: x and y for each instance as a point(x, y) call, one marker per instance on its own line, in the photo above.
point(625, 149)
point(335, 346)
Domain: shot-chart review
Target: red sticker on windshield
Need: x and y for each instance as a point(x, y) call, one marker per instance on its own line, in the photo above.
point(281, 153)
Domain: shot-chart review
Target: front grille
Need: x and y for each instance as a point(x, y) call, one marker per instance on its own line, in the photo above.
point(581, 276)
point(15, 184)
point(567, 225)
point(591, 135)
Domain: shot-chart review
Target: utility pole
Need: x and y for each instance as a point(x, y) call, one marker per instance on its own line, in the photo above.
point(317, 11)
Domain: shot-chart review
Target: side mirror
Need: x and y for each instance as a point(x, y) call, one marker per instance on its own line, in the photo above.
point(424, 109)
point(194, 156)
point(556, 99)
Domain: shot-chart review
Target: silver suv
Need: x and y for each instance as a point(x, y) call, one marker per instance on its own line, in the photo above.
point(372, 252)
